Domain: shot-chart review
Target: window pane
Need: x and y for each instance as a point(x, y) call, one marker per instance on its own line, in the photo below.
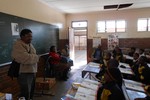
point(79, 24)
point(101, 26)
point(121, 26)
point(142, 24)
point(110, 26)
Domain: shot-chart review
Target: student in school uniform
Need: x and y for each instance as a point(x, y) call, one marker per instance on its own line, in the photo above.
point(141, 52)
point(117, 54)
point(132, 51)
point(65, 54)
point(143, 70)
point(103, 65)
point(110, 90)
point(58, 65)
point(97, 55)
point(135, 59)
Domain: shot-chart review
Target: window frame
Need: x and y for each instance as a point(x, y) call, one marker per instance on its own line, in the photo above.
point(105, 31)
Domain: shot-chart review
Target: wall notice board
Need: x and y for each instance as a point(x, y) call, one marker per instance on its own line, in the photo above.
point(44, 35)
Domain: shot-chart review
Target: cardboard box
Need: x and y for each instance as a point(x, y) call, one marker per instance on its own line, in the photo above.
point(46, 84)
point(2, 96)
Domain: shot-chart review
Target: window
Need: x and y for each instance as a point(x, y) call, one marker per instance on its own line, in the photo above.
point(111, 26)
point(101, 26)
point(142, 24)
point(120, 26)
point(79, 24)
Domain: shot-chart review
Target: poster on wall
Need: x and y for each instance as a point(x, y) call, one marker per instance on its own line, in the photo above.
point(96, 41)
point(14, 29)
point(113, 41)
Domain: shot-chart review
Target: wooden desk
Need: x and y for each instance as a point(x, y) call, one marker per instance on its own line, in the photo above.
point(131, 94)
point(126, 71)
point(128, 57)
point(133, 85)
point(135, 94)
point(89, 69)
point(124, 64)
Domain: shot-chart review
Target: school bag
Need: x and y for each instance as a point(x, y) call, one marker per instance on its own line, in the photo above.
point(14, 69)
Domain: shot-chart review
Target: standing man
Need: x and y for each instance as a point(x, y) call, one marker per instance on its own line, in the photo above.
point(24, 53)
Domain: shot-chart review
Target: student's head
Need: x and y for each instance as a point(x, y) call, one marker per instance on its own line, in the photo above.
point(113, 63)
point(141, 51)
point(107, 55)
point(113, 74)
point(53, 49)
point(142, 60)
point(67, 46)
point(26, 36)
point(99, 46)
point(135, 56)
point(133, 49)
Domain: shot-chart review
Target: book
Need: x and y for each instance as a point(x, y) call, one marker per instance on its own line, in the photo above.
point(92, 64)
point(82, 96)
point(87, 91)
point(134, 85)
point(91, 81)
point(89, 86)
point(124, 64)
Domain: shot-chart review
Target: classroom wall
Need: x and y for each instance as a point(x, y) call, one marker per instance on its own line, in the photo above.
point(35, 10)
point(130, 16)
point(127, 39)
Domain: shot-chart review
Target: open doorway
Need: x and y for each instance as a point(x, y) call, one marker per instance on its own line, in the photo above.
point(80, 43)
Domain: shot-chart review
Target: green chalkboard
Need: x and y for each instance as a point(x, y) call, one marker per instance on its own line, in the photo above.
point(44, 35)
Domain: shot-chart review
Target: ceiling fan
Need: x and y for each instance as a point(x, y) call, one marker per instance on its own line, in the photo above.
point(118, 6)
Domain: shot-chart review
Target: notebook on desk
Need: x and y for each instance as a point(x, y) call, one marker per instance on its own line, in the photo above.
point(124, 64)
point(133, 85)
point(91, 81)
point(92, 64)
point(89, 86)
point(87, 91)
point(82, 96)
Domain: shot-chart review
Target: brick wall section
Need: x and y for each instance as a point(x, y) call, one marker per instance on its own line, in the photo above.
point(135, 42)
point(62, 43)
point(104, 44)
point(7, 85)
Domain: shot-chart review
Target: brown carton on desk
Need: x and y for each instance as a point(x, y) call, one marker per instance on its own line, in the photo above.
point(2, 96)
point(46, 84)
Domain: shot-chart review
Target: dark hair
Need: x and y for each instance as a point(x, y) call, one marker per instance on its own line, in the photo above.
point(24, 32)
point(51, 48)
point(133, 48)
point(137, 54)
point(113, 63)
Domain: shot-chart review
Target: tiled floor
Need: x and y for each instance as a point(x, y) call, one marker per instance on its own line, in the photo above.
point(61, 87)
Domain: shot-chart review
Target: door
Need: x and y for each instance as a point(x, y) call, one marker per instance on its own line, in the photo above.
point(71, 43)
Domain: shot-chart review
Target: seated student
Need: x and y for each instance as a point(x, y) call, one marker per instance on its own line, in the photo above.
point(132, 51)
point(103, 64)
point(147, 90)
point(143, 70)
point(141, 52)
point(58, 65)
point(110, 90)
point(65, 53)
point(97, 54)
point(135, 59)
point(117, 54)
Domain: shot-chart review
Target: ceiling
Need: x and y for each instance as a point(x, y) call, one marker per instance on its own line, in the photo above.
point(80, 6)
